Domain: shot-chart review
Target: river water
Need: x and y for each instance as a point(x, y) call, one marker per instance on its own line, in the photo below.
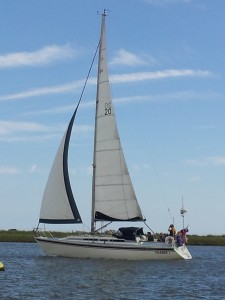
point(29, 274)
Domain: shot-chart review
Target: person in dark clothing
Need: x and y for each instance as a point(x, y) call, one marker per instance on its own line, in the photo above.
point(150, 237)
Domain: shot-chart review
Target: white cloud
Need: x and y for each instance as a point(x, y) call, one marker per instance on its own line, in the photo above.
point(8, 170)
point(217, 160)
point(118, 78)
point(207, 161)
point(84, 128)
point(173, 96)
point(168, 2)
point(143, 76)
point(124, 57)
point(61, 109)
point(86, 171)
point(42, 56)
point(9, 127)
point(59, 89)
point(204, 127)
point(11, 131)
point(140, 168)
point(34, 169)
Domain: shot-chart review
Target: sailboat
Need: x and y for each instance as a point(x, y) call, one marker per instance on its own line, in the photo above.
point(113, 195)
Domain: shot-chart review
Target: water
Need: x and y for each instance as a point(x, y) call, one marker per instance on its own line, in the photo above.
point(31, 275)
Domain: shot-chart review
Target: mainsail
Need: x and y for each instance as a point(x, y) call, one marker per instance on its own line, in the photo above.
point(58, 205)
point(113, 194)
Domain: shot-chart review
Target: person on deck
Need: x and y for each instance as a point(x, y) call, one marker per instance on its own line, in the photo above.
point(183, 235)
point(150, 237)
point(172, 230)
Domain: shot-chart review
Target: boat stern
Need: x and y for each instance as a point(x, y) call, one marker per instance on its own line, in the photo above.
point(183, 252)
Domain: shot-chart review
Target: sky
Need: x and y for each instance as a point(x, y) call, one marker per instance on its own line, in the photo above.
point(167, 71)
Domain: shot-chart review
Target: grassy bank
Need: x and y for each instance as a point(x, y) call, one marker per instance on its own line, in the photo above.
point(206, 240)
point(14, 235)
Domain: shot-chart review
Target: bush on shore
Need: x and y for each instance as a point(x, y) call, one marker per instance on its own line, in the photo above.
point(13, 235)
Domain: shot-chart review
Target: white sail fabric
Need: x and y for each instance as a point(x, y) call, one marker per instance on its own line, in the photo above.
point(58, 205)
point(114, 196)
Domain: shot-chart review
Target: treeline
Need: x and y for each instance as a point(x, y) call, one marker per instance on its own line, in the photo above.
point(13, 235)
point(206, 240)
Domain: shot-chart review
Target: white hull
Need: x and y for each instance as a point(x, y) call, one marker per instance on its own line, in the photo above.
point(111, 249)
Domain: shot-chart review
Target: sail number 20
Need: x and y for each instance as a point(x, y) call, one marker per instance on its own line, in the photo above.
point(108, 109)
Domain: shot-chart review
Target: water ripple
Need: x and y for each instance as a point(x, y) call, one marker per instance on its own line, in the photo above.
point(31, 275)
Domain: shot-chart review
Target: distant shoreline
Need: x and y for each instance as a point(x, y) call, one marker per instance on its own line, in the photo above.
point(13, 235)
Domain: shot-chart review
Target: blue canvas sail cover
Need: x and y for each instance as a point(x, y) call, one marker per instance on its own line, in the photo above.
point(129, 233)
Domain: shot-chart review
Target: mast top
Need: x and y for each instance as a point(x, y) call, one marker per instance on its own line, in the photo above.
point(104, 14)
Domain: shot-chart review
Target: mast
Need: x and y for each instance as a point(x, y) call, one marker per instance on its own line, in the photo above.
point(183, 211)
point(97, 101)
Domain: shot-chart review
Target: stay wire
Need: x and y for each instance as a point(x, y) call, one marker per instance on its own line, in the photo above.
point(96, 51)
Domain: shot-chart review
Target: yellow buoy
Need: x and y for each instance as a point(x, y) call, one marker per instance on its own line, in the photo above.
point(2, 268)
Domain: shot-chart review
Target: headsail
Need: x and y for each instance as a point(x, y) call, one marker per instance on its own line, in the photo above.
point(113, 194)
point(58, 205)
